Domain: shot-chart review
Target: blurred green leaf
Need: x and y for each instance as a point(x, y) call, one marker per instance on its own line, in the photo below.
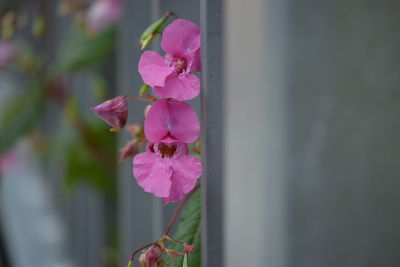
point(99, 85)
point(39, 26)
point(143, 90)
point(91, 159)
point(79, 50)
point(153, 30)
point(189, 232)
point(21, 115)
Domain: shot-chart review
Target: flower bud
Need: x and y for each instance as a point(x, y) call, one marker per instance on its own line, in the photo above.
point(129, 150)
point(113, 111)
point(188, 248)
point(151, 257)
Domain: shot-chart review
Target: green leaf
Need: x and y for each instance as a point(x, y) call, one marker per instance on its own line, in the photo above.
point(153, 30)
point(143, 90)
point(21, 115)
point(185, 260)
point(81, 51)
point(189, 232)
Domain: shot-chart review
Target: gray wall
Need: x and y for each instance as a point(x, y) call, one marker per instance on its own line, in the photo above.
point(312, 144)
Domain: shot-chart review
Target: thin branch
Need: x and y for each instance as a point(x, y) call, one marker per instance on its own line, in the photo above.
point(178, 209)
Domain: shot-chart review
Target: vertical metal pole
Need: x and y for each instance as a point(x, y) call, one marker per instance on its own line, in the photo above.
point(211, 19)
point(255, 134)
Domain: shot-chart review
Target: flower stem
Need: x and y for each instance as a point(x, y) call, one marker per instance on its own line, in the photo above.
point(178, 209)
point(140, 98)
point(132, 258)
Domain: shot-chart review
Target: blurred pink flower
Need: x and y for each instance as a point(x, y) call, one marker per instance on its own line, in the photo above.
point(113, 111)
point(166, 170)
point(9, 161)
point(170, 76)
point(8, 51)
point(102, 14)
point(171, 121)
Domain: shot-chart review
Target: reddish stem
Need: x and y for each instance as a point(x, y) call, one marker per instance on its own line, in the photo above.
point(178, 209)
point(140, 98)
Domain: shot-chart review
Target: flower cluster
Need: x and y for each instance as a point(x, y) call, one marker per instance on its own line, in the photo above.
point(165, 169)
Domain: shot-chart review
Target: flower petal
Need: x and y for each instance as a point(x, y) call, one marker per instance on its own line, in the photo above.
point(186, 171)
point(153, 69)
point(153, 173)
point(171, 121)
point(196, 64)
point(181, 87)
point(180, 37)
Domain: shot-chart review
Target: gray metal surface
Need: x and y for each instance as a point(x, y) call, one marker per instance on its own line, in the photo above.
point(312, 133)
point(212, 128)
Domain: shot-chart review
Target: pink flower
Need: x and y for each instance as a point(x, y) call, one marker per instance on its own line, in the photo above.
point(171, 121)
point(170, 76)
point(166, 170)
point(113, 111)
point(8, 51)
point(103, 13)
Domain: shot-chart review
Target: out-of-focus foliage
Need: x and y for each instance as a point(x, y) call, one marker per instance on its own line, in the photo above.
point(90, 152)
point(21, 115)
point(81, 166)
point(81, 50)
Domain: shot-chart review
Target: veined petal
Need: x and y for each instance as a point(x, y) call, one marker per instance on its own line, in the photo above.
point(153, 173)
point(171, 121)
point(153, 69)
point(186, 171)
point(181, 87)
point(180, 37)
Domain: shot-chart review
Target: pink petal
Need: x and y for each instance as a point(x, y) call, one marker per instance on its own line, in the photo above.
point(153, 69)
point(180, 37)
point(181, 87)
point(153, 173)
point(196, 65)
point(186, 171)
point(171, 121)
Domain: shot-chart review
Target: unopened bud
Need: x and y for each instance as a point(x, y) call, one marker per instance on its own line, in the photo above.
point(188, 248)
point(151, 257)
point(113, 111)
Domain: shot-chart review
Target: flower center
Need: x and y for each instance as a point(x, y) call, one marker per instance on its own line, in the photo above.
point(164, 149)
point(180, 65)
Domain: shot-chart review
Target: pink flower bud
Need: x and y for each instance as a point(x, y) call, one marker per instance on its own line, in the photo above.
point(129, 150)
point(8, 52)
point(151, 257)
point(113, 111)
point(188, 248)
point(103, 13)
